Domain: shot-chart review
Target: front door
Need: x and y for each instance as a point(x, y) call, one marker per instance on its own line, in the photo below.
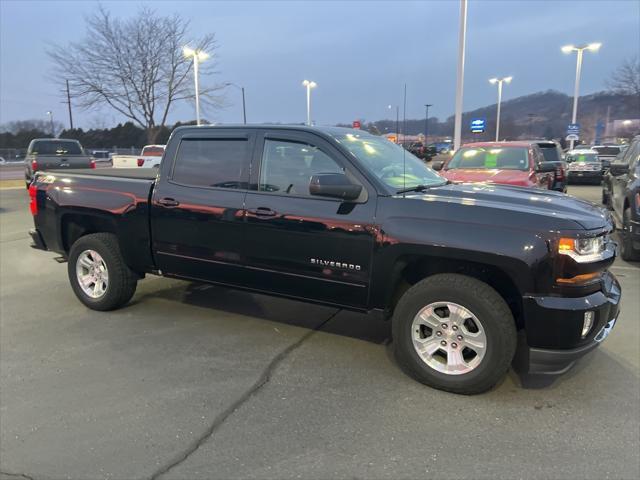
point(301, 245)
point(197, 212)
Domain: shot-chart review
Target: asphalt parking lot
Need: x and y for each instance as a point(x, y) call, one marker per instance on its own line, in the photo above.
point(193, 381)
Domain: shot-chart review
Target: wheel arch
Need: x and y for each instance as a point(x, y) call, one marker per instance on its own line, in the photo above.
point(410, 269)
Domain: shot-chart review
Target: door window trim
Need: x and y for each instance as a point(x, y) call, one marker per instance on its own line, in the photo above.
point(303, 138)
point(245, 173)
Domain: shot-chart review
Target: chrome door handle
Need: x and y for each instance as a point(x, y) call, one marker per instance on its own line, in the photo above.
point(168, 202)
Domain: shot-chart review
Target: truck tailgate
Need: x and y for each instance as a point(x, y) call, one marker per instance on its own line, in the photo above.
point(125, 161)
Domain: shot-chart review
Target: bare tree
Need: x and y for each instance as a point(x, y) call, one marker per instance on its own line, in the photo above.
point(135, 66)
point(625, 79)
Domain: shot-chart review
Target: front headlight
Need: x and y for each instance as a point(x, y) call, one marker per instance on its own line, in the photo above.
point(583, 250)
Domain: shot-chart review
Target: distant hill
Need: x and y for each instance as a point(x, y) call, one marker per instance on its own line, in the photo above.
point(542, 114)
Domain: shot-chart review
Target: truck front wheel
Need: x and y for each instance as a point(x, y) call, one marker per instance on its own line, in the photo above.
point(98, 274)
point(454, 333)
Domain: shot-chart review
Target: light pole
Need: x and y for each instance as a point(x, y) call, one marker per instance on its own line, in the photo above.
point(462, 40)
point(499, 81)
point(594, 47)
point(50, 113)
point(198, 56)
point(309, 85)
point(426, 124)
point(397, 122)
point(244, 107)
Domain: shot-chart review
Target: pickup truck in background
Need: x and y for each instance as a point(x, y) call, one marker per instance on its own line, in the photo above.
point(55, 154)
point(150, 157)
point(472, 276)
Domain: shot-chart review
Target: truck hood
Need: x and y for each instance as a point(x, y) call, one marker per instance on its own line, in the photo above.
point(493, 175)
point(517, 206)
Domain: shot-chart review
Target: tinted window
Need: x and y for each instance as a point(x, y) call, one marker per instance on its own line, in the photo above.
point(503, 158)
point(55, 147)
point(210, 162)
point(152, 151)
point(550, 152)
point(287, 167)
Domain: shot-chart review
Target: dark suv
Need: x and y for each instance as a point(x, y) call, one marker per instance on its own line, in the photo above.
point(553, 156)
point(621, 193)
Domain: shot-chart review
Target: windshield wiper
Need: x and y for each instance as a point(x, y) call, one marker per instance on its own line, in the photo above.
point(422, 188)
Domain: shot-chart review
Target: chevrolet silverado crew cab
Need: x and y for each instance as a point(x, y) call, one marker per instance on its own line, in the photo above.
point(470, 275)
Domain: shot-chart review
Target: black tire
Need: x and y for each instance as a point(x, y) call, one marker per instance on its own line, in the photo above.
point(490, 309)
point(627, 252)
point(122, 281)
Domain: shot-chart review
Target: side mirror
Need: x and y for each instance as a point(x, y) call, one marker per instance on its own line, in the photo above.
point(617, 169)
point(335, 185)
point(437, 165)
point(545, 167)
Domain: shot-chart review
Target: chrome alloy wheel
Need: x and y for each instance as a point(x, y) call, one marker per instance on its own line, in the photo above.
point(92, 274)
point(449, 338)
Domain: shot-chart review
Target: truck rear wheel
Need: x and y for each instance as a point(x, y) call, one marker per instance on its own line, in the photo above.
point(454, 333)
point(98, 274)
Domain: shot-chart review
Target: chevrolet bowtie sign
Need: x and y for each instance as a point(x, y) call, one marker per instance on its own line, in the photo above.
point(478, 125)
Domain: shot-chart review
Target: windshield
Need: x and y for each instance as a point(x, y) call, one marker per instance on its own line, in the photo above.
point(389, 162)
point(611, 151)
point(55, 147)
point(582, 157)
point(550, 152)
point(482, 158)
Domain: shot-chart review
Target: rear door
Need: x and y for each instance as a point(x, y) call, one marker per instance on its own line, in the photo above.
point(619, 182)
point(197, 214)
point(306, 246)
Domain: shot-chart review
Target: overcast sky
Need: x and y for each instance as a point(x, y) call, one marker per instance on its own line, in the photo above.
point(360, 53)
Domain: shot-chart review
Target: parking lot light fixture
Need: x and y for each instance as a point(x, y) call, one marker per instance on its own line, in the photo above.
point(592, 47)
point(309, 85)
point(198, 56)
point(499, 81)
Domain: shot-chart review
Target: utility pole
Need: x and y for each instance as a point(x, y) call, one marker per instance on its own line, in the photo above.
point(69, 105)
point(244, 108)
point(462, 39)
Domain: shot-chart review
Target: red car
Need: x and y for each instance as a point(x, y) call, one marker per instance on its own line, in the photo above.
point(509, 163)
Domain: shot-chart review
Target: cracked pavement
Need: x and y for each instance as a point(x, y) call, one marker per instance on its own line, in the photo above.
point(194, 381)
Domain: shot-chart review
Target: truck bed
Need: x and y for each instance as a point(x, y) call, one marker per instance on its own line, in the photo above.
point(131, 173)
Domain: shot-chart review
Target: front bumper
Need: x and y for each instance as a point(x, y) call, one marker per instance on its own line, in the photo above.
point(553, 340)
point(584, 175)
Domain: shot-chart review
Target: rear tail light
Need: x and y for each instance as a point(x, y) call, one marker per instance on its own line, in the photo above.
point(140, 162)
point(92, 164)
point(33, 203)
point(34, 165)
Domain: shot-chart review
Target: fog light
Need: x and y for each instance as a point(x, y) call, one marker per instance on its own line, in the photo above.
point(587, 323)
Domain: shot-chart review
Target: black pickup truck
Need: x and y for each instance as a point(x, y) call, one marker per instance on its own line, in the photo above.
point(471, 275)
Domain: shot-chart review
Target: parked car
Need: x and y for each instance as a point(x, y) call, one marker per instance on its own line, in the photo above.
point(621, 193)
point(606, 154)
point(583, 166)
point(553, 155)
point(509, 163)
point(55, 154)
point(150, 157)
point(468, 276)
